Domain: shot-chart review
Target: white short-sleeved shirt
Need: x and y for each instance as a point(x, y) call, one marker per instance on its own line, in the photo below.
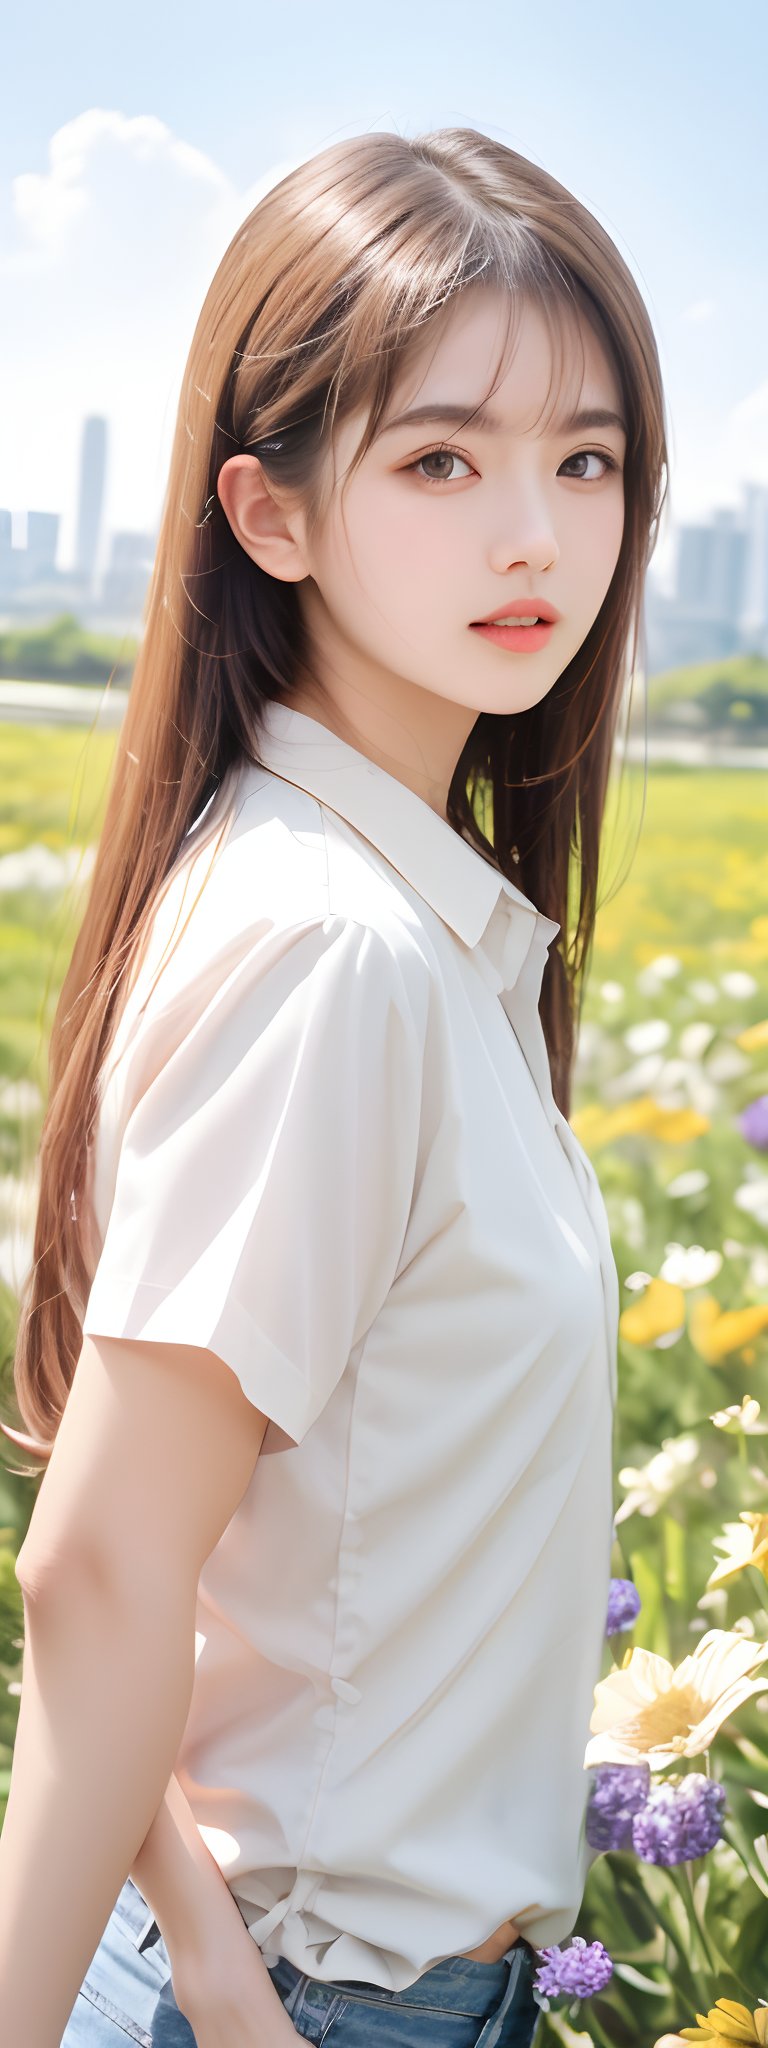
point(327, 1150)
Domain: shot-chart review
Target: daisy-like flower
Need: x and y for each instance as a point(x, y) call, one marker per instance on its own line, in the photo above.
point(727, 2024)
point(742, 1543)
point(743, 1415)
point(690, 1265)
point(651, 1485)
point(655, 1710)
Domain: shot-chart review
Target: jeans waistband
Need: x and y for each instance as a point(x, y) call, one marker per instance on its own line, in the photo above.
point(458, 1983)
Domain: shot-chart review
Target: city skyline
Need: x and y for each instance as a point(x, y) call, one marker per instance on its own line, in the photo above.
point(713, 603)
point(124, 183)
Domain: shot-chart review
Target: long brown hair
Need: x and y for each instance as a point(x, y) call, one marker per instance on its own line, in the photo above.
point(325, 293)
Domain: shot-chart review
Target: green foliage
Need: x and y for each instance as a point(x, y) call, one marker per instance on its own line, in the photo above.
point(730, 692)
point(65, 652)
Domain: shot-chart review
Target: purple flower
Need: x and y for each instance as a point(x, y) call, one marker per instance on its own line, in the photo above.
point(579, 1970)
point(617, 1794)
point(624, 1605)
point(753, 1123)
point(679, 1821)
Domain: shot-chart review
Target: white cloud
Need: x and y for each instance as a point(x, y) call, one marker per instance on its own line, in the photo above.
point(106, 262)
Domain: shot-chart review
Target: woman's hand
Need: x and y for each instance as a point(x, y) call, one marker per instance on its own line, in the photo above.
point(222, 1986)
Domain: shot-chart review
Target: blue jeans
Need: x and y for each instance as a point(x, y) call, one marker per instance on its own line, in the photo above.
point(127, 1996)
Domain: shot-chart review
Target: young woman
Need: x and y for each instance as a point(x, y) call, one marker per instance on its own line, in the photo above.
point(319, 1340)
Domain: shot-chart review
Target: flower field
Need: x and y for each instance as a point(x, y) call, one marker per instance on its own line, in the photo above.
point(671, 1102)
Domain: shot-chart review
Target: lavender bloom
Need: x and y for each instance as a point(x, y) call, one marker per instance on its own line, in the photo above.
point(624, 1605)
point(753, 1123)
point(578, 1971)
point(679, 1821)
point(618, 1793)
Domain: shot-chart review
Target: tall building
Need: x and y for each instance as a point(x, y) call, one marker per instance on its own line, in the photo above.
point(42, 539)
point(754, 618)
point(711, 567)
point(7, 556)
point(90, 504)
point(125, 581)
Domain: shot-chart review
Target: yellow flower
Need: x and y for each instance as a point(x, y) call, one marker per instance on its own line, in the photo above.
point(659, 1312)
point(715, 1332)
point(755, 1036)
point(742, 1543)
point(596, 1126)
point(654, 1711)
point(726, 2024)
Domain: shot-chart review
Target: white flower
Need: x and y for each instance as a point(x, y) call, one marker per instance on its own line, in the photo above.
point(738, 984)
point(639, 1079)
point(666, 966)
point(692, 1183)
point(742, 1415)
point(695, 1038)
point(651, 1710)
point(652, 1484)
point(648, 1036)
point(728, 1063)
point(752, 1195)
point(658, 971)
point(690, 1266)
point(612, 992)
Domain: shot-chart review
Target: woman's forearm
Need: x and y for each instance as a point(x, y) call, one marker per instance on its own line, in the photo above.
point(200, 1921)
point(179, 1878)
point(107, 1681)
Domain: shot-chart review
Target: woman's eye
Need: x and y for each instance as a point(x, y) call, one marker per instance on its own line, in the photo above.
point(593, 455)
point(438, 455)
point(451, 455)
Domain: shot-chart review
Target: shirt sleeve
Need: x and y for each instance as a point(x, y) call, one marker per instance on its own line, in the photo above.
point(265, 1175)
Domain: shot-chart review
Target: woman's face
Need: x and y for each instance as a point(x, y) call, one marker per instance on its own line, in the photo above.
point(423, 545)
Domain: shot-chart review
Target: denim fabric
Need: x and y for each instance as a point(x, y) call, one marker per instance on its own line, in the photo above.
point(117, 2000)
point(127, 1995)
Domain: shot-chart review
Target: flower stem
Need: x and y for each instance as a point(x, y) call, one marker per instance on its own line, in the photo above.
point(760, 1585)
point(682, 1878)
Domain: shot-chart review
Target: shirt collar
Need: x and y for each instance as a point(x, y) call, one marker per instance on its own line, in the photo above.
point(445, 869)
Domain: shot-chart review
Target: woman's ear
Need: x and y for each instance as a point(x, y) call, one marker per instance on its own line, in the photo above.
point(269, 533)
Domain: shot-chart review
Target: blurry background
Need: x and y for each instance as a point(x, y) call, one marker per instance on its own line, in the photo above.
point(131, 148)
point(129, 154)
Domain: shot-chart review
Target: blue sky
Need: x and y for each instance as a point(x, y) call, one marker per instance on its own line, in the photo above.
point(132, 145)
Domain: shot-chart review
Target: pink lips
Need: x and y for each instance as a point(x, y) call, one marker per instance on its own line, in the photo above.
point(518, 639)
point(524, 608)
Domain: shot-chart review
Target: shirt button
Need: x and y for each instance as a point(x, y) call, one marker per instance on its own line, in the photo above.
point(345, 1691)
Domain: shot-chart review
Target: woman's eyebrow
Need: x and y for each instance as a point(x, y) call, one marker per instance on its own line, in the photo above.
point(487, 421)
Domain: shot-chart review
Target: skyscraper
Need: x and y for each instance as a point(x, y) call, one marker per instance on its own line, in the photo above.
point(93, 462)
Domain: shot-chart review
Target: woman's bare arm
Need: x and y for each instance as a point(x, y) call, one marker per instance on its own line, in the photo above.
point(153, 1454)
point(180, 1879)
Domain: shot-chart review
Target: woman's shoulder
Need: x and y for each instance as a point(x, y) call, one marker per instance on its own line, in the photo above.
point(291, 859)
point(254, 894)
